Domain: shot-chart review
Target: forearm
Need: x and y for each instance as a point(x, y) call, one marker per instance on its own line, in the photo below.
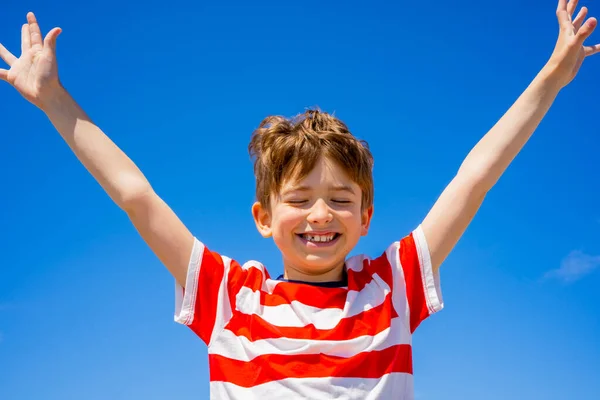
point(496, 150)
point(115, 172)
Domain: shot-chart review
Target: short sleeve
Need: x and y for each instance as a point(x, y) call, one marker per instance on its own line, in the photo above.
point(423, 290)
point(203, 305)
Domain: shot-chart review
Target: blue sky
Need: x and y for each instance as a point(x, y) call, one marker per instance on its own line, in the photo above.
point(86, 308)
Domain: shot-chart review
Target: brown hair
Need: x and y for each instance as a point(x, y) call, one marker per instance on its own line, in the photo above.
point(290, 147)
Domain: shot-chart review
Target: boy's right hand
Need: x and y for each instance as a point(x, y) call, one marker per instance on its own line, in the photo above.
point(35, 76)
point(35, 73)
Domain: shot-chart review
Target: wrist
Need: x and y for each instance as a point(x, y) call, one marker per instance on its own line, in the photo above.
point(52, 99)
point(552, 77)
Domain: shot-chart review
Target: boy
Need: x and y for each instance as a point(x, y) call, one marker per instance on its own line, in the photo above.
point(331, 326)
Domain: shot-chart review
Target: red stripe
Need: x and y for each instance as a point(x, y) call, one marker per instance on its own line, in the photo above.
point(273, 367)
point(238, 277)
point(284, 292)
point(313, 296)
point(252, 277)
point(357, 280)
point(209, 282)
point(415, 292)
point(369, 322)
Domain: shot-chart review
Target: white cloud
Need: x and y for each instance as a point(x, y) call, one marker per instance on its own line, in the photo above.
point(574, 267)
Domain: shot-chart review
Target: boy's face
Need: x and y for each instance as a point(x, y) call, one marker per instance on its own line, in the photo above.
point(315, 222)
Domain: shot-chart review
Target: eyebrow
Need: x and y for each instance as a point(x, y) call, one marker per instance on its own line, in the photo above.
point(335, 188)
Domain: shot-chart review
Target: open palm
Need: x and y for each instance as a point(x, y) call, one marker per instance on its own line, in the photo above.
point(35, 73)
point(570, 51)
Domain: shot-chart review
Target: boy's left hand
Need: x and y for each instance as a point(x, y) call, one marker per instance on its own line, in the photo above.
point(569, 53)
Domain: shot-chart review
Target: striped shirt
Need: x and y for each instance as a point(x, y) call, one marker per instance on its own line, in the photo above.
point(275, 339)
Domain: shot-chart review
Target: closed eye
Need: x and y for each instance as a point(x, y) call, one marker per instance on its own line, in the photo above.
point(297, 201)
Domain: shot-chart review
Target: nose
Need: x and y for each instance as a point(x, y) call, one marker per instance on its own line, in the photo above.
point(320, 213)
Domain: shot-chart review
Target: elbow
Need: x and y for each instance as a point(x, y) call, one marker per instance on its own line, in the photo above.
point(135, 201)
point(132, 194)
point(480, 176)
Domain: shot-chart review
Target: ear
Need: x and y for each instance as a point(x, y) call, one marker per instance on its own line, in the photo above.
point(262, 219)
point(366, 216)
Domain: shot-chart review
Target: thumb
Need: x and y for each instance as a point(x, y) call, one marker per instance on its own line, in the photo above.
point(50, 39)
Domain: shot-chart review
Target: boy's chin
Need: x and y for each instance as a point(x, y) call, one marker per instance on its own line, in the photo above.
point(316, 262)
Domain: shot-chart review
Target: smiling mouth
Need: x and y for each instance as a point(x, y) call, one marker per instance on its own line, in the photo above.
point(319, 239)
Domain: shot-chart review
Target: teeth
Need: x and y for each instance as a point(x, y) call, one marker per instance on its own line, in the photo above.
point(319, 238)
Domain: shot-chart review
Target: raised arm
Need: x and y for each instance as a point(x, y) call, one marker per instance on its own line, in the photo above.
point(35, 75)
point(487, 161)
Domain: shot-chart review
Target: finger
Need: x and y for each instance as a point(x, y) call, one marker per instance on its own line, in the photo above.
point(25, 38)
point(50, 39)
point(3, 74)
point(34, 31)
point(580, 18)
point(7, 56)
point(572, 6)
point(563, 16)
point(586, 30)
point(591, 50)
point(562, 6)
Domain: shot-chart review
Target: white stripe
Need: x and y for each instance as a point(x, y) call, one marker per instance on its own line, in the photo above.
point(431, 281)
point(227, 344)
point(391, 386)
point(356, 263)
point(399, 296)
point(297, 314)
point(185, 301)
point(254, 264)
